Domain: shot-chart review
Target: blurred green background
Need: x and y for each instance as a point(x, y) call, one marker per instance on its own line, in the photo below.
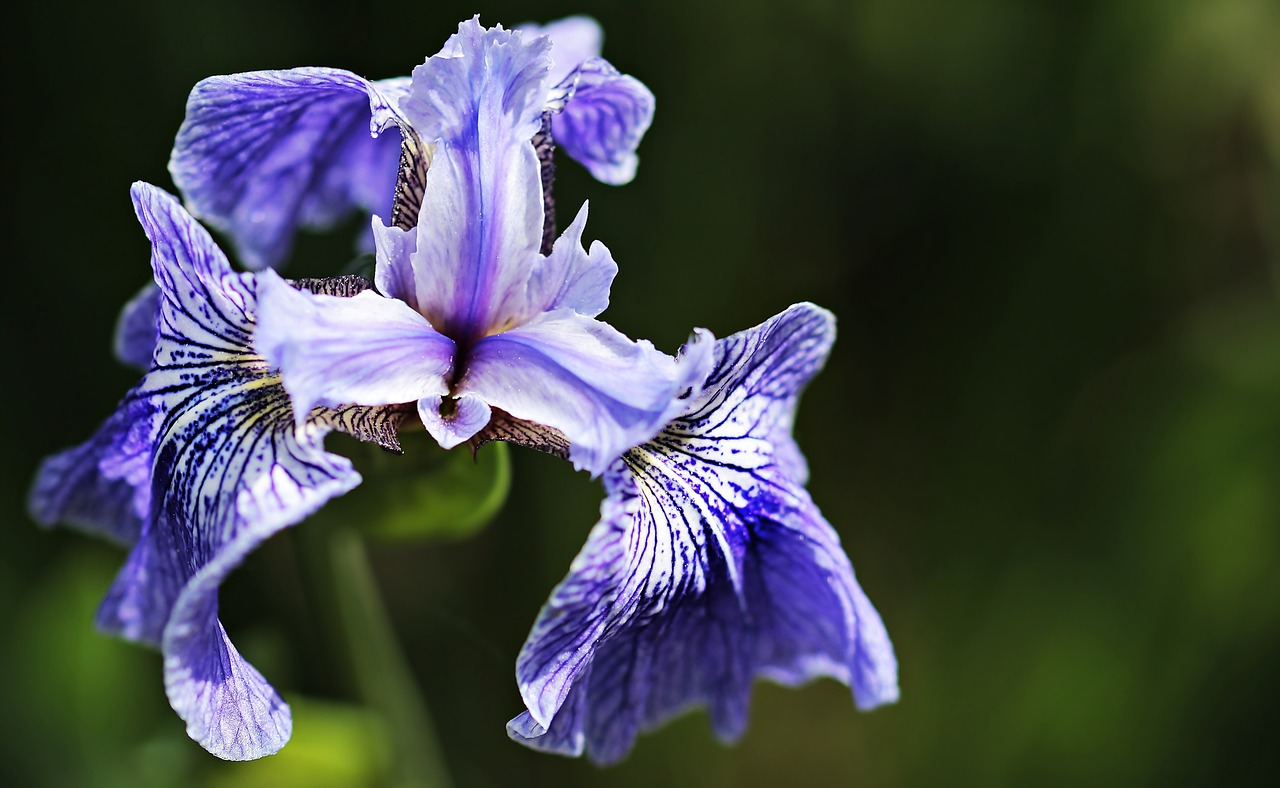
point(1049, 434)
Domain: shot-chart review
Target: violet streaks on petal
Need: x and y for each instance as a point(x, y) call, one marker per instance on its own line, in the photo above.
point(264, 153)
point(710, 567)
point(481, 225)
point(601, 115)
point(602, 125)
point(201, 463)
point(102, 486)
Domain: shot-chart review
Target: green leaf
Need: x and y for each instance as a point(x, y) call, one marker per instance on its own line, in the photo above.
point(426, 493)
point(85, 698)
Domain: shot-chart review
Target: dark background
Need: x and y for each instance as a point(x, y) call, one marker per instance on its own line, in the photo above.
point(1049, 433)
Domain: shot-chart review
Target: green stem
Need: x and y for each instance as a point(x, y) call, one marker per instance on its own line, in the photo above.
point(381, 671)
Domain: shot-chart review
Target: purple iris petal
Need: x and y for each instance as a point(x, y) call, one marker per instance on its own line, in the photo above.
point(103, 485)
point(228, 706)
point(515, 329)
point(394, 275)
point(601, 114)
point(574, 39)
point(602, 124)
point(263, 153)
point(482, 224)
point(799, 341)
point(212, 435)
point(710, 567)
point(135, 337)
point(367, 349)
point(571, 276)
point(456, 423)
point(603, 391)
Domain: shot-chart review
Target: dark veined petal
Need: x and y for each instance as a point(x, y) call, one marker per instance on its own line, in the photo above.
point(604, 392)
point(481, 229)
point(135, 337)
point(263, 153)
point(710, 567)
point(603, 122)
point(230, 467)
point(504, 427)
point(759, 376)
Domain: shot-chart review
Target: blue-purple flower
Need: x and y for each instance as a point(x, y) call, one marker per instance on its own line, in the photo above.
point(263, 153)
point(710, 567)
point(202, 461)
point(469, 317)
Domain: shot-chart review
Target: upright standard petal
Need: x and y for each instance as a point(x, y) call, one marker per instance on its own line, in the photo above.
point(482, 228)
point(263, 153)
point(602, 124)
point(574, 40)
point(710, 567)
point(229, 468)
point(604, 392)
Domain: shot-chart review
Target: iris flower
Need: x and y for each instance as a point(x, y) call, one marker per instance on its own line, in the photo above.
point(468, 317)
point(202, 461)
point(710, 567)
point(212, 452)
